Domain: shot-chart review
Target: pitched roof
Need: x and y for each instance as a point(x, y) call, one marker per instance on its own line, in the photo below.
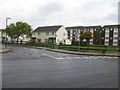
point(117, 25)
point(82, 27)
point(47, 28)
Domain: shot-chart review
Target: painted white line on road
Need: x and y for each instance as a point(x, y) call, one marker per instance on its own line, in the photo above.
point(69, 57)
point(88, 58)
point(34, 50)
point(51, 56)
point(108, 57)
point(114, 57)
point(77, 57)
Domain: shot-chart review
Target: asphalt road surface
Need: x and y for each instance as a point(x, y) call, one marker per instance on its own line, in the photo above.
point(35, 68)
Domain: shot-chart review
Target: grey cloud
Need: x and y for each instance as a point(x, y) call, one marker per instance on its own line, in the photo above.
point(45, 14)
point(51, 8)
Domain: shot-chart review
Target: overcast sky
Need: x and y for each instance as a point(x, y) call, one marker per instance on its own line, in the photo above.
point(59, 12)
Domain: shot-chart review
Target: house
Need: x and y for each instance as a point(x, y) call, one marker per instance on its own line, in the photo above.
point(4, 37)
point(75, 32)
point(51, 35)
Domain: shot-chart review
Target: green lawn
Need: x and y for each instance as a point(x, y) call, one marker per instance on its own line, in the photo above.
point(75, 48)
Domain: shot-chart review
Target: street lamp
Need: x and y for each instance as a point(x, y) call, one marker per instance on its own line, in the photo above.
point(6, 32)
point(78, 40)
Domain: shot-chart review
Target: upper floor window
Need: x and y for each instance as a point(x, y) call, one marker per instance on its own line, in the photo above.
point(94, 29)
point(52, 33)
point(63, 34)
point(115, 37)
point(47, 33)
point(38, 33)
point(116, 33)
point(106, 37)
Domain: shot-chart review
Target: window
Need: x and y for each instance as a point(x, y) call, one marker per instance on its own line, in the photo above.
point(115, 37)
point(106, 37)
point(39, 40)
point(38, 33)
point(106, 42)
point(52, 33)
point(115, 42)
point(116, 33)
point(47, 33)
point(63, 34)
point(94, 29)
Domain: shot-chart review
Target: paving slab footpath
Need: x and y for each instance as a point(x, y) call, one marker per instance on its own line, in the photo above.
point(79, 53)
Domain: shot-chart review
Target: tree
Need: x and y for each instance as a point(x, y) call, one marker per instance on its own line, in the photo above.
point(11, 31)
point(18, 29)
point(87, 35)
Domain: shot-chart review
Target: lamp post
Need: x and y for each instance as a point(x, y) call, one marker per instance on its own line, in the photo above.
point(79, 41)
point(6, 32)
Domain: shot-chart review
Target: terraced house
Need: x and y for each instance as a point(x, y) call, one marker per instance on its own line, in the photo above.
point(106, 35)
point(51, 35)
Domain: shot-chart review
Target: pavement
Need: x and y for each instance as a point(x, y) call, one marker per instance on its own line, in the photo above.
point(79, 53)
point(4, 50)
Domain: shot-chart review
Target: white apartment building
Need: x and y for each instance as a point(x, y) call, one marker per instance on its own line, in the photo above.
point(112, 35)
point(106, 35)
point(75, 32)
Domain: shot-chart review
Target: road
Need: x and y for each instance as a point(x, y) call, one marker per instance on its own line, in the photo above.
point(35, 68)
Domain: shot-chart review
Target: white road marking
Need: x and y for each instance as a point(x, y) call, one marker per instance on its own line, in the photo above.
point(77, 57)
point(85, 57)
point(69, 57)
point(102, 57)
point(34, 50)
point(108, 57)
point(51, 56)
point(114, 57)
